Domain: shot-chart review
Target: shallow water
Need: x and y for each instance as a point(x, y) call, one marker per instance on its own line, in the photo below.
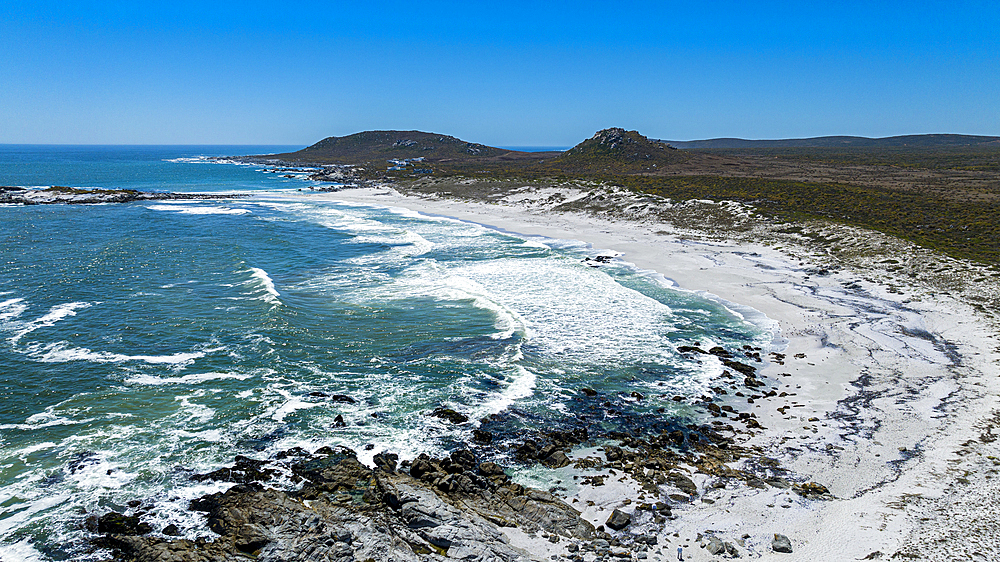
point(142, 343)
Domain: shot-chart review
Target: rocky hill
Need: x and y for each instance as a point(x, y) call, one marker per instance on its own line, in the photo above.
point(617, 151)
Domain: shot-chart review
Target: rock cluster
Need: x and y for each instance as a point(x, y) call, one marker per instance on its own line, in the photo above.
point(345, 511)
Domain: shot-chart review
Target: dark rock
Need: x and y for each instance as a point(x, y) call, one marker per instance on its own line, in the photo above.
point(780, 543)
point(812, 490)
point(335, 472)
point(171, 530)
point(677, 436)
point(715, 545)
point(120, 524)
point(528, 450)
point(339, 421)
point(588, 392)
point(491, 469)
point(557, 459)
point(464, 458)
point(243, 471)
point(450, 415)
point(618, 520)
point(683, 483)
point(720, 352)
point(294, 452)
point(342, 398)
point(482, 437)
point(386, 461)
point(421, 466)
point(745, 370)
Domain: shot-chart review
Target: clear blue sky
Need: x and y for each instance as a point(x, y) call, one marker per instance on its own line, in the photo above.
point(514, 73)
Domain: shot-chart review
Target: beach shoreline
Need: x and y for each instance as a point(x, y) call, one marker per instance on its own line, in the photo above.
point(890, 385)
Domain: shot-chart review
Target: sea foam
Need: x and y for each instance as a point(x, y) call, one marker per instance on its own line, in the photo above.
point(199, 210)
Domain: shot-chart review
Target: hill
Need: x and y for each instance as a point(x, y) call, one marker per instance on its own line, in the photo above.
point(380, 146)
point(617, 151)
point(904, 141)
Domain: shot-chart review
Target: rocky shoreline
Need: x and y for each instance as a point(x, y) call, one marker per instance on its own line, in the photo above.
point(326, 505)
point(76, 196)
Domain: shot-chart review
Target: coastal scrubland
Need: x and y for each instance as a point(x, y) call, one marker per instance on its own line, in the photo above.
point(935, 192)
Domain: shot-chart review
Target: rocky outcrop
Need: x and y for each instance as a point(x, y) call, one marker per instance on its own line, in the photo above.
point(72, 195)
point(345, 511)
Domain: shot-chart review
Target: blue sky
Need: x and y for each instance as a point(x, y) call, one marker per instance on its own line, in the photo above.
point(516, 73)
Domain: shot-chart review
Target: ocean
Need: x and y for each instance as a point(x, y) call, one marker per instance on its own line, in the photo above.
point(143, 343)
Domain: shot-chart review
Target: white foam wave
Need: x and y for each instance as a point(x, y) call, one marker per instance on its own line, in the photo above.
point(62, 352)
point(522, 386)
point(41, 420)
point(101, 475)
point(12, 308)
point(429, 279)
point(209, 435)
point(195, 412)
point(196, 378)
point(569, 309)
point(199, 210)
point(18, 519)
point(289, 406)
point(420, 245)
point(23, 453)
point(265, 281)
point(21, 551)
point(54, 315)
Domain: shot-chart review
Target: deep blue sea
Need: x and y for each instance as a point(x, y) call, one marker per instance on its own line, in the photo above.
point(142, 343)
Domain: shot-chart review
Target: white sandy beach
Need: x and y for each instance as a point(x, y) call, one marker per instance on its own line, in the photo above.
point(899, 378)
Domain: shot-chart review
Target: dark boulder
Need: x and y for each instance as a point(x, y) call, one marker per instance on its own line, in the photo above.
point(449, 415)
point(386, 461)
point(557, 459)
point(243, 471)
point(120, 524)
point(618, 520)
point(421, 466)
point(812, 490)
point(780, 543)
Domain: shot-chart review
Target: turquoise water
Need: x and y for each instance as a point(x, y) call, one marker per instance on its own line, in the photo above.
point(141, 343)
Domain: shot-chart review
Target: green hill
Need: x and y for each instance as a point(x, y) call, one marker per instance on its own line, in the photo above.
point(380, 146)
